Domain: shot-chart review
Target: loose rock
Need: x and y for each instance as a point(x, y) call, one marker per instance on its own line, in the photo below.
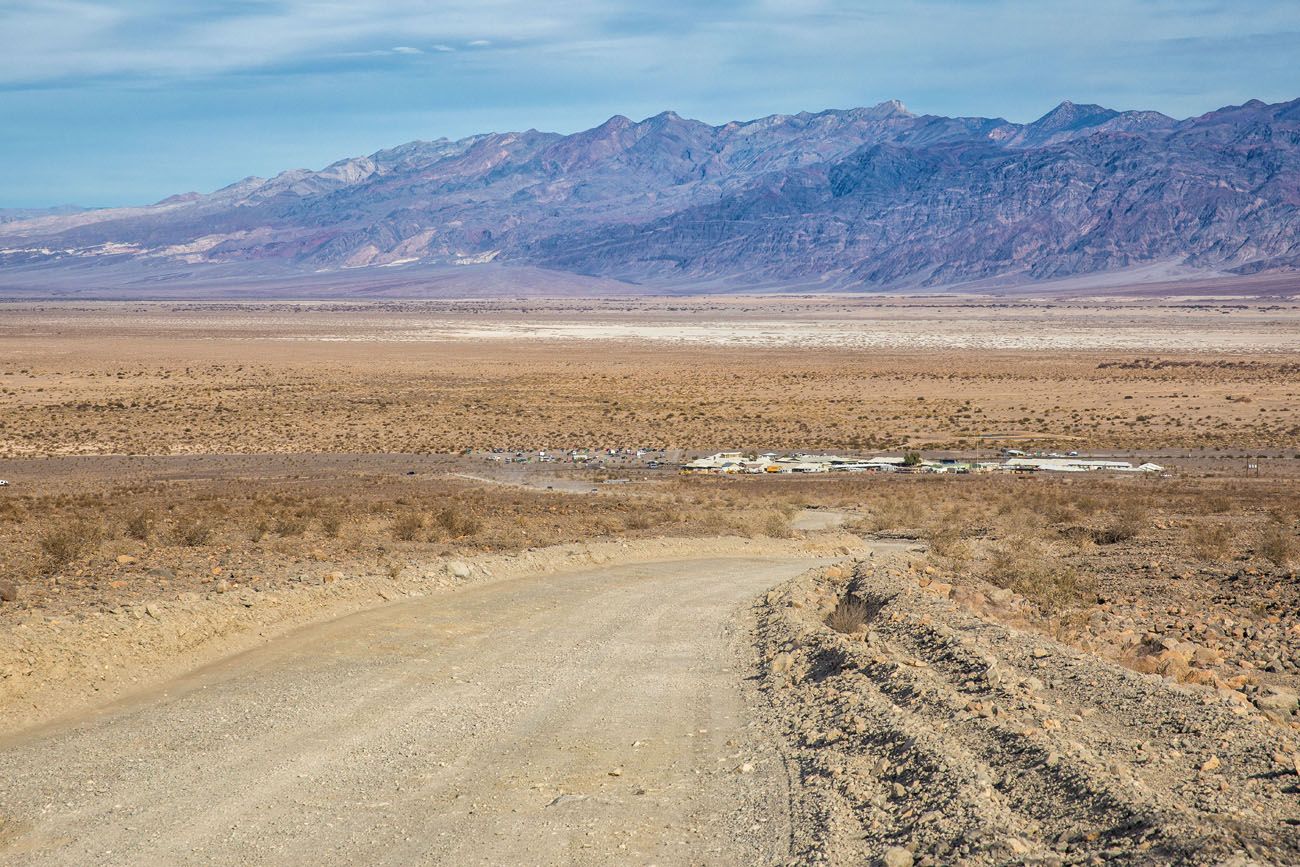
point(897, 856)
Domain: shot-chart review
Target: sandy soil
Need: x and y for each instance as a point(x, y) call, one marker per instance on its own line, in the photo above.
point(737, 373)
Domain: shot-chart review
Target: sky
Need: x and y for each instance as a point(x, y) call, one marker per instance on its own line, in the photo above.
point(127, 102)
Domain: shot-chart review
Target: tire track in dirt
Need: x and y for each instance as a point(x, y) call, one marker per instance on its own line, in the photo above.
point(959, 739)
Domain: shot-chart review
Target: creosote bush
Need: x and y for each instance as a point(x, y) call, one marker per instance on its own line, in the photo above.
point(191, 532)
point(62, 545)
point(1278, 544)
point(139, 525)
point(777, 526)
point(406, 527)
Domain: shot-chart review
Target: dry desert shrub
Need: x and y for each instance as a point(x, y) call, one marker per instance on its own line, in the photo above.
point(1126, 523)
point(140, 524)
point(62, 545)
point(1210, 540)
point(457, 523)
point(1013, 517)
point(406, 527)
point(331, 522)
point(290, 524)
point(1278, 544)
point(777, 526)
point(1218, 503)
point(850, 615)
point(948, 539)
point(640, 519)
point(191, 532)
point(897, 512)
point(1031, 568)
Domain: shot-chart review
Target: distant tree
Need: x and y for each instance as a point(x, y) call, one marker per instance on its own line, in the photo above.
point(911, 459)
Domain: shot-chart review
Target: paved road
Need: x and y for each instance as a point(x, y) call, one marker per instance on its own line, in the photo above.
point(594, 717)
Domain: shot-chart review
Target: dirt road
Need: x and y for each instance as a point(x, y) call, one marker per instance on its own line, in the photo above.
point(594, 717)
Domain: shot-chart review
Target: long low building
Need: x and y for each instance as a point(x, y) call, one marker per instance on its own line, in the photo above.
point(727, 463)
point(1077, 465)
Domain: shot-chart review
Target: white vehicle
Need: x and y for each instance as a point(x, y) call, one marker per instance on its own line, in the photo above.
point(3, 482)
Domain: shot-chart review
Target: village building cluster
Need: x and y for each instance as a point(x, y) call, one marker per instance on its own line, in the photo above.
point(741, 462)
point(737, 462)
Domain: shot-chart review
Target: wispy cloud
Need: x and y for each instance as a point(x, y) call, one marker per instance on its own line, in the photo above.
point(214, 89)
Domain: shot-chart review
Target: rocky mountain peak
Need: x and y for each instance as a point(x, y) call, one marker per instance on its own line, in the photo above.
point(888, 108)
point(865, 197)
point(1069, 115)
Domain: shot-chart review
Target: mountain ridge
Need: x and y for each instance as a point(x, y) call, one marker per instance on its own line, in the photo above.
point(870, 197)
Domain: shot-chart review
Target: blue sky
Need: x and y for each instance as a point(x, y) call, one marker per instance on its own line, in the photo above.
point(125, 102)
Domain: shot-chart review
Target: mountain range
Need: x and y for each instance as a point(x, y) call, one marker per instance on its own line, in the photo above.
point(860, 199)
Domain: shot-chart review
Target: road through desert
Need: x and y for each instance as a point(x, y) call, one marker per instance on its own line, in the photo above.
point(596, 717)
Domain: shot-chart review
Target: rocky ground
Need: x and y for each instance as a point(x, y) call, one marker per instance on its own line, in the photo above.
point(1229, 627)
point(936, 733)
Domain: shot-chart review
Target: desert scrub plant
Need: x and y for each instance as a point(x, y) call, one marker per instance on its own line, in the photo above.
point(1032, 569)
point(639, 520)
point(777, 526)
point(331, 521)
point(1277, 543)
point(1126, 523)
point(62, 545)
point(290, 524)
point(406, 527)
point(453, 522)
point(948, 540)
point(897, 513)
point(140, 525)
point(191, 532)
point(849, 615)
point(1210, 540)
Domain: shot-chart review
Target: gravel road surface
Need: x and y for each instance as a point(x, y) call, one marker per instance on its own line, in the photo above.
point(590, 718)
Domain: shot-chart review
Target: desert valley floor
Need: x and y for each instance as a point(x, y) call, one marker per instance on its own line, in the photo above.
point(281, 558)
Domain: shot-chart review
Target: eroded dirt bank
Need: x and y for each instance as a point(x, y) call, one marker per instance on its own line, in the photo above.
point(936, 736)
